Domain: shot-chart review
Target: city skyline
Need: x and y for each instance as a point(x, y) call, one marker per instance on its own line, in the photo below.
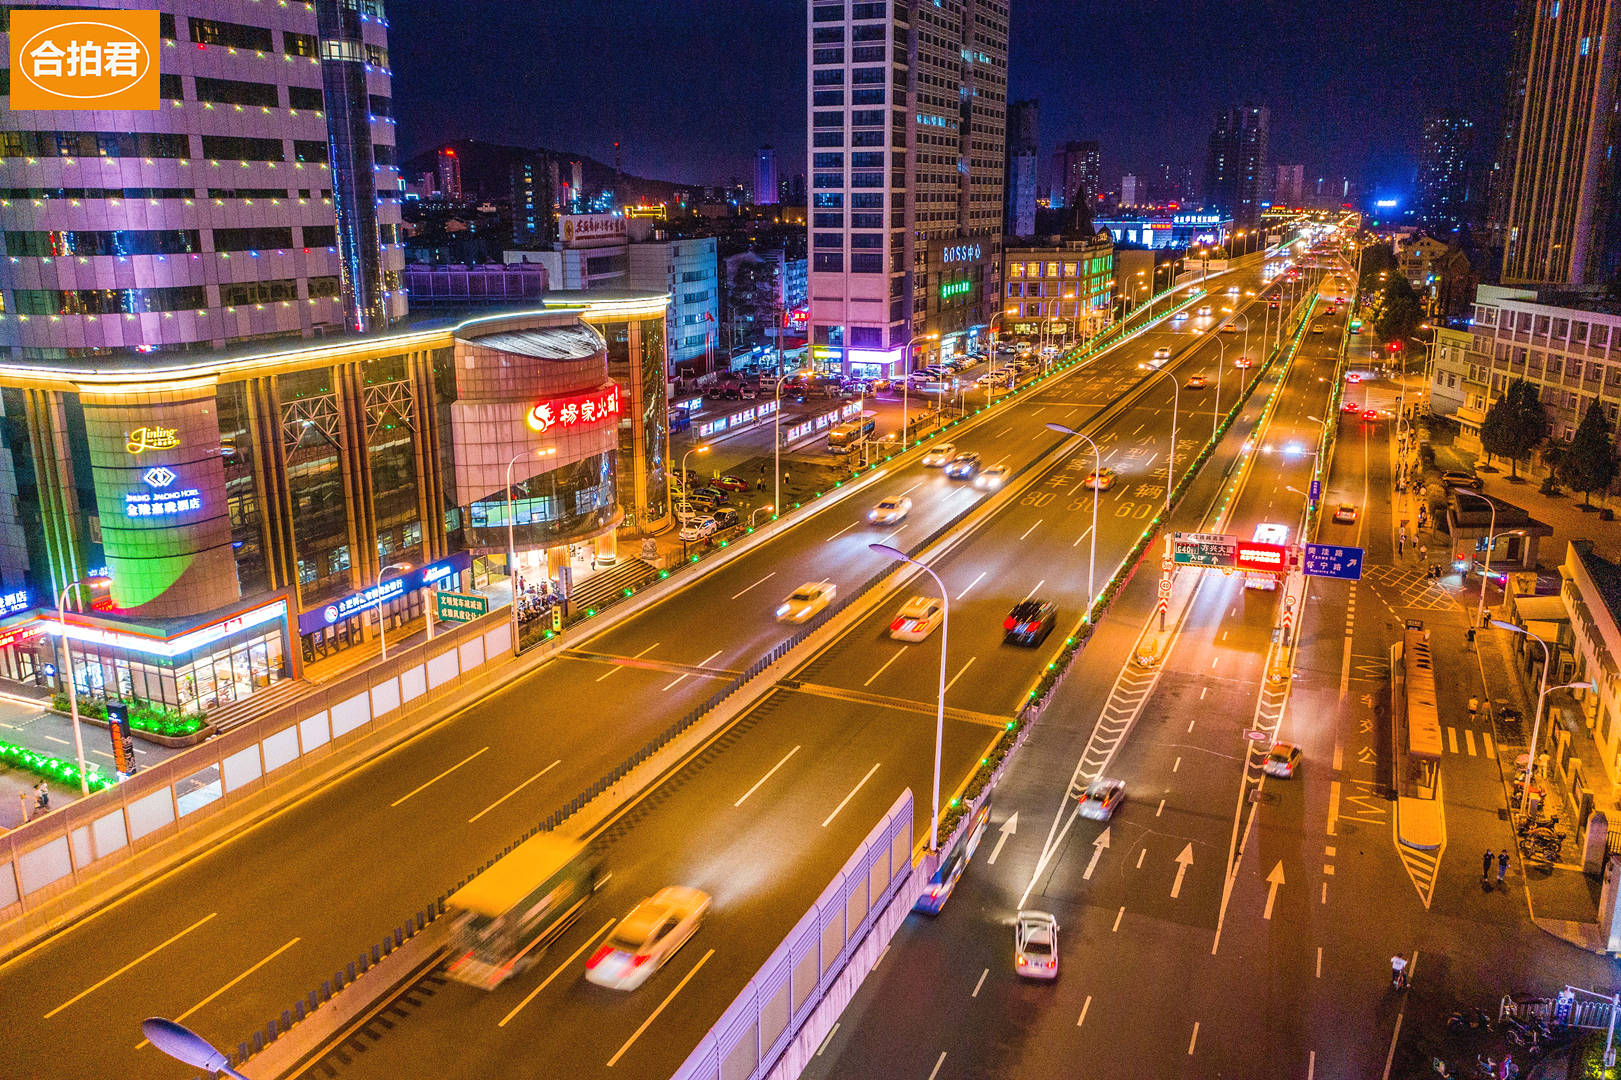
point(670, 95)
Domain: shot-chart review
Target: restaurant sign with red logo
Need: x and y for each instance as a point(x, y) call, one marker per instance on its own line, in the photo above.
point(578, 410)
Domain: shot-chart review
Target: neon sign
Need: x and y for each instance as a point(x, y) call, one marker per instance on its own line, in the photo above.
point(569, 412)
point(1253, 556)
point(148, 504)
point(955, 288)
point(961, 253)
point(143, 439)
point(436, 574)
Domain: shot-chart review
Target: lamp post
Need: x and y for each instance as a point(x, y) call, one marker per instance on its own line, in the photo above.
point(686, 485)
point(940, 706)
point(382, 639)
point(187, 1047)
point(757, 510)
point(1097, 495)
point(1609, 1036)
point(1491, 541)
point(776, 443)
point(67, 666)
point(1170, 467)
point(1536, 722)
point(1221, 366)
point(512, 543)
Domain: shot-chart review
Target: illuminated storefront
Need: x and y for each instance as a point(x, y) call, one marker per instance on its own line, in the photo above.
point(257, 510)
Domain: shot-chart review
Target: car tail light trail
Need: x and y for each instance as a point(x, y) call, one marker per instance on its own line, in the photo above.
point(599, 956)
point(897, 624)
point(639, 959)
point(1009, 623)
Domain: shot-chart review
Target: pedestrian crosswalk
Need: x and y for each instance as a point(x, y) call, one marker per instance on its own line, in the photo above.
point(1471, 743)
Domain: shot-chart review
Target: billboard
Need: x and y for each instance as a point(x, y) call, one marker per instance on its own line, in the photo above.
point(591, 230)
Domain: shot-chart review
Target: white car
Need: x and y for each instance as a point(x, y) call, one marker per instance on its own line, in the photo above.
point(992, 478)
point(1035, 945)
point(890, 510)
point(917, 619)
point(699, 529)
point(1100, 479)
point(1204, 310)
point(939, 455)
point(804, 602)
point(652, 933)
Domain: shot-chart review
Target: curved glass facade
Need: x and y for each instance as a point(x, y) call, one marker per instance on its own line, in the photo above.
point(573, 502)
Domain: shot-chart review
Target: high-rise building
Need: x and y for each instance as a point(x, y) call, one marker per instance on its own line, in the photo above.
point(1020, 180)
point(533, 200)
point(1129, 193)
point(1562, 217)
point(765, 177)
point(1443, 181)
point(1289, 187)
point(1237, 163)
point(450, 173)
point(260, 201)
point(906, 122)
point(1076, 167)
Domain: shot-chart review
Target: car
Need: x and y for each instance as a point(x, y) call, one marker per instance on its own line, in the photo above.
point(992, 478)
point(1205, 310)
point(725, 517)
point(964, 466)
point(1101, 798)
point(1350, 407)
point(1035, 945)
point(1319, 329)
point(995, 378)
point(729, 483)
point(699, 529)
point(1345, 515)
point(1197, 382)
point(917, 619)
point(1162, 353)
point(1243, 362)
point(1029, 622)
point(719, 495)
point(1353, 376)
point(804, 602)
point(939, 454)
point(1101, 479)
point(1370, 414)
point(1179, 316)
point(1282, 760)
point(645, 939)
point(1460, 479)
point(889, 510)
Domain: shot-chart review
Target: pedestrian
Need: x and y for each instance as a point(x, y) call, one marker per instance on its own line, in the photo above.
point(1502, 865)
point(1423, 553)
point(1474, 706)
point(1401, 545)
point(785, 478)
point(1486, 866)
point(42, 796)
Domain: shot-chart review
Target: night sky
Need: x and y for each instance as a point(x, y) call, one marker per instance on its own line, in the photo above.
point(691, 87)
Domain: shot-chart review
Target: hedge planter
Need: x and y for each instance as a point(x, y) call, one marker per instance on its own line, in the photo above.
point(155, 724)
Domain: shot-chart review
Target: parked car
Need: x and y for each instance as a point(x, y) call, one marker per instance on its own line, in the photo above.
point(730, 483)
point(699, 529)
point(725, 518)
point(1461, 479)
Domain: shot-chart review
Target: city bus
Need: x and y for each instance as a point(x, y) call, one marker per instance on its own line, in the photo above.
point(849, 438)
point(504, 917)
point(1267, 532)
point(953, 862)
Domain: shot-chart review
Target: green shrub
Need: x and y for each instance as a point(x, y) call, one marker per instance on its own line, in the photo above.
point(54, 769)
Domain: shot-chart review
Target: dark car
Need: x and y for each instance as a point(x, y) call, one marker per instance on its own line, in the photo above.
point(1029, 622)
point(725, 517)
point(1460, 479)
point(716, 495)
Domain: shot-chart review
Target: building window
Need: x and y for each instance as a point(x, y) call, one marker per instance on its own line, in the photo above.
point(825, 98)
point(828, 240)
point(258, 292)
point(828, 262)
point(298, 44)
point(828, 35)
point(243, 148)
point(861, 263)
point(828, 77)
point(87, 144)
point(261, 239)
point(309, 150)
point(236, 92)
point(320, 236)
point(235, 35)
point(323, 286)
point(828, 161)
point(827, 13)
point(305, 97)
point(828, 221)
point(120, 242)
point(827, 56)
point(109, 301)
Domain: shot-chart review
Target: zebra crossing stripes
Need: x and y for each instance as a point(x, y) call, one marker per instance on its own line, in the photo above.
point(1473, 743)
point(1131, 690)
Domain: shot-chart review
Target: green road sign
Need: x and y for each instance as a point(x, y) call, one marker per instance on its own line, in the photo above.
point(1204, 549)
point(462, 607)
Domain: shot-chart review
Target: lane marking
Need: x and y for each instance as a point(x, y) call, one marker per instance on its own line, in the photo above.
point(1141, 855)
point(885, 664)
point(762, 581)
point(1469, 740)
point(1391, 1057)
point(1190, 726)
point(1117, 917)
point(936, 1070)
point(1195, 1040)
point(673, 683)
point(145, 1043)
point(1486, 746)
point(1452, 739)
point(1161, 808)
point(617, 668)
point(980, 983)
point(829, 1038)
point(769, 773)
point(1031, 529)
point(959, 674)
point(1333, 806)
point(850, 796)
point(971, 584)
point(435, 780)
point(1085, 1005)
point(840, 533)
point(655, 1014)
point(515, 791)
point(1081, 537)
point(1319, 961)
point(1038, 585)
point(154, 949)
point(1177, 764)
point(1311, 1065)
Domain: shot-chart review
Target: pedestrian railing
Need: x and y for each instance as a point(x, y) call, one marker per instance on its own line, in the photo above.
point(1577, 1013)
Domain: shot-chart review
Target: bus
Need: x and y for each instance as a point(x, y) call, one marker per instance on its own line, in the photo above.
point(953, 862)
point(849, 438)
point(1415, 719)
point(504, 917)
point(1267, 532)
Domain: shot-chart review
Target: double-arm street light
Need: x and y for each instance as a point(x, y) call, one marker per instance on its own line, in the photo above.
point(1170, 466)
point(686, 481)
point(512, 544)
point(1491, 540)
point(1542, 698)
point(940, 706)
point(402, 568)
point(1097, 496)
point(67, 667)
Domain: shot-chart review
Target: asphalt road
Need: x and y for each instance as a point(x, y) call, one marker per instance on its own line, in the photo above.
point(230, 938)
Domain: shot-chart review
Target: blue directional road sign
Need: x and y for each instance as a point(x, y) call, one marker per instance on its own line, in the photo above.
point(1316, 490)
point(1329, 560)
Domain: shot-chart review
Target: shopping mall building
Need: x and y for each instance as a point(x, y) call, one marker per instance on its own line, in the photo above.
point(255, 506)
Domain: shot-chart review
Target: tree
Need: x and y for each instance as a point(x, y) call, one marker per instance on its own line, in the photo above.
point(1589, 463)
point(1514, 424)
point(1401, 310)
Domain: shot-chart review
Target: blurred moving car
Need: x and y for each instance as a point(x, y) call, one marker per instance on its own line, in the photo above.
point(1035, 945)
point(939, 454)
point(1282, 760)
point(1101, 798)
point(805, 601)
point(1345, 515)
point(917, 619)
point(1029, 622)
point(1100, 479)
point(992, 478)
point(645, 939)
point(890, 510)
point(964, 466)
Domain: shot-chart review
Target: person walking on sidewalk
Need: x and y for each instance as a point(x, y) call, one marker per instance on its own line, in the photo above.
point(1474, 706)
point(1424, 553)
point(1502, 865)
point(1486, 866)
point(759, 485)
point(42, 797)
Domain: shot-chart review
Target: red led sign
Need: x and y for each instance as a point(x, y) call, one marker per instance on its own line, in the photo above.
point(570, 412)
point(1253, 556)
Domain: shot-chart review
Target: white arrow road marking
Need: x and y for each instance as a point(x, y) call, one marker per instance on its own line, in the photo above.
point(1099, 846)
point(1009, 827)
point(1183, 861)
point(1273, 880)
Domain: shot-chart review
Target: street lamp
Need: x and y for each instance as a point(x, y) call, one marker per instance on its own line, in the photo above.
point(1170, 467)
point(755, 511)
point(1097, 496)
point(382, 639)
point(1536, 723)
point(686, 483)
point(67, 665)
point(1491, 541)
point(187, 1047)
point(512, 545)
point(940, 706)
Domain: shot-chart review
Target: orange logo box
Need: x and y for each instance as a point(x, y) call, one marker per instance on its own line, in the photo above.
point(84, 59)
